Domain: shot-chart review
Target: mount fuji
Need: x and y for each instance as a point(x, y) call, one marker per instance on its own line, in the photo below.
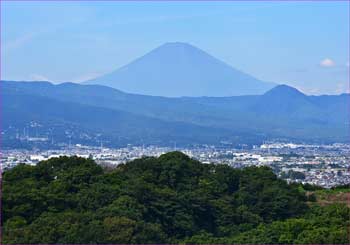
point(179, 69)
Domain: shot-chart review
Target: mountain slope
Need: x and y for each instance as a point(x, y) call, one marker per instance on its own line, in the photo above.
point(204, 111)
point(285, 100)
point(117, 127)
point(282, 112)
point(180, 69)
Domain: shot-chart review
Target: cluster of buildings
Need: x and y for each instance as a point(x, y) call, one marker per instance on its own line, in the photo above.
point(322, 165)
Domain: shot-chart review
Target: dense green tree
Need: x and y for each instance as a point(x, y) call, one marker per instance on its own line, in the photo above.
point(169, 199)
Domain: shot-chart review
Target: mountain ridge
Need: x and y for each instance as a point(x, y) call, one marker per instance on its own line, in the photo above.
point(237, 118)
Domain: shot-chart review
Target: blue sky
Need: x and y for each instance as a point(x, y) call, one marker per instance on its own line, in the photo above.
point(305, 45)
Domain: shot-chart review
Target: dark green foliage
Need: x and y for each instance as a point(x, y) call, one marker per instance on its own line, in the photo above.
point(319, 225)
point(309, 187)
point(170, 199)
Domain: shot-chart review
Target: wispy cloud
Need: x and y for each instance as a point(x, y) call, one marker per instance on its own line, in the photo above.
point(327, 62)
point(43, 30)
point(18, 42)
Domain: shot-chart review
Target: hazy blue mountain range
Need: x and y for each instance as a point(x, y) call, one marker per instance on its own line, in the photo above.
point(91, 124)
point(180, 69)
point(283, 112)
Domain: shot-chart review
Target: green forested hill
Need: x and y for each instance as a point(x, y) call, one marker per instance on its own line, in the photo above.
point(170, 199)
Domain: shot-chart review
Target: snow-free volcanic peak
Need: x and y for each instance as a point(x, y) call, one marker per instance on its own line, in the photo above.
point(177, 69)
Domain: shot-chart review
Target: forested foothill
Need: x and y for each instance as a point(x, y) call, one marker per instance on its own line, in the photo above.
point(169, 199)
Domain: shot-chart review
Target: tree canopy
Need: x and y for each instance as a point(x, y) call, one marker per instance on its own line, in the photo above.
point(169, 199)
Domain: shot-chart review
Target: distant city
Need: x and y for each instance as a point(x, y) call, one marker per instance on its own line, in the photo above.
point(322, 165)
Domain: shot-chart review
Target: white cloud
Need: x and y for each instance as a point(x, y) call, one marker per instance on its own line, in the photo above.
point(38, 77)
point(327, 62)
point(314, 91)
point(86, 77)
point(342, 87)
